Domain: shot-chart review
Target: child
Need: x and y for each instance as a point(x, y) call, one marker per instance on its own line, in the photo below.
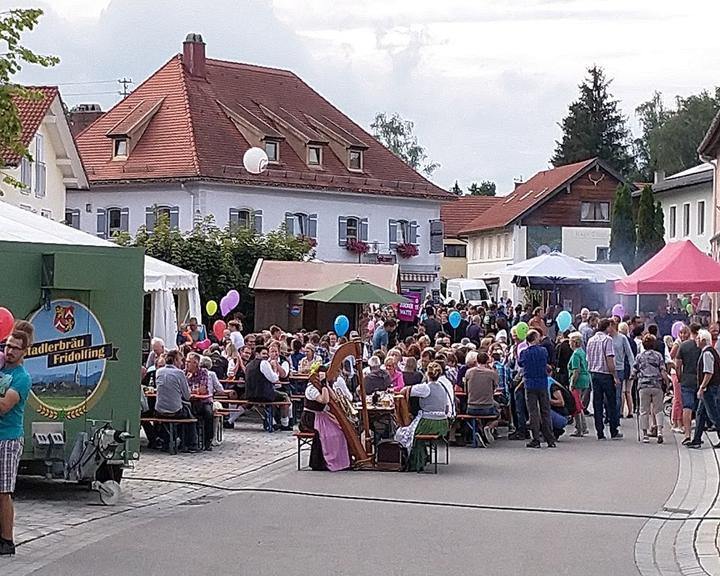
point(579, 381)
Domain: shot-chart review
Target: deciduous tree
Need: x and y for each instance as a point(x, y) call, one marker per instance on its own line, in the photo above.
point(13, 55)
point(398, 136)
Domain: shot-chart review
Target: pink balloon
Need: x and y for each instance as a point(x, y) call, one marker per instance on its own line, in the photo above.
point(203, 344)
point(6, 323)
point(676, 327)
point(224, 306)
point(233, 298)
point(618, 310)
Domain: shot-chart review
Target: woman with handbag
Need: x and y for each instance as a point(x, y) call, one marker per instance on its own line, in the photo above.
point(652, 380)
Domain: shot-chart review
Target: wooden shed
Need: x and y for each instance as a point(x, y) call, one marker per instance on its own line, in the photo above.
point(279, 286)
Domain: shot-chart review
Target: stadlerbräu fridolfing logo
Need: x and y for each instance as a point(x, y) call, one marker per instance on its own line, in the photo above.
point(67, 361)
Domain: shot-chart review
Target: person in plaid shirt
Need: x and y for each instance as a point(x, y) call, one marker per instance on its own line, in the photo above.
point(601, 363)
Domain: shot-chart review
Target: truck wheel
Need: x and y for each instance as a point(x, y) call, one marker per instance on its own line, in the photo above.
point(109, 472)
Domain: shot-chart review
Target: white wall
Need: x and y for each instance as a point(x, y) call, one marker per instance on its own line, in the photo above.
point(54, 200)
point(218, 199)
point(484, 259)
point(583, 242)
point(692, 195)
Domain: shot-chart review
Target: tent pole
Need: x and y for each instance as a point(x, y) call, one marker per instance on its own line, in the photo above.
point(637, 304)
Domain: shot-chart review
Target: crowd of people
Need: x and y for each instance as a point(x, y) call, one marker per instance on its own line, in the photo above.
point(600, 370)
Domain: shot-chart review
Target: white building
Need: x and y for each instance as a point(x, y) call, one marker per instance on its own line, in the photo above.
point(687, 199)
point(55, 164)
point(175, 145)
point(567, 209)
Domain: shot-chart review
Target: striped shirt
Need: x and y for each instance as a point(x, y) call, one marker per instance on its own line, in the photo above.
point(599, 347)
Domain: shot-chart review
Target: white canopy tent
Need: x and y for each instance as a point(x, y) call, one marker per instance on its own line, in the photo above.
point(162, 280)
point(557, 268)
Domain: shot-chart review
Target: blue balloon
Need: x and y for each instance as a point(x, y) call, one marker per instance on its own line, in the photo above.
point(342, 324)
point(454, 318)
point(564, 320)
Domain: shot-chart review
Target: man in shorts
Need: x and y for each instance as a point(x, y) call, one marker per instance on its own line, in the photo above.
point(15, 386)
point(686, 362)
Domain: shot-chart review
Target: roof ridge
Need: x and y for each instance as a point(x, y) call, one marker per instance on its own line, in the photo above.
point(247, 65)
point(188, 116)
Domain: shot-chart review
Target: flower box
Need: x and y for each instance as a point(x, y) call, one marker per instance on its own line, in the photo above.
point(357, 246)
point(406, 250)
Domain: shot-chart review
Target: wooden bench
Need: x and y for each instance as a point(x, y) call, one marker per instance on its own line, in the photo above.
point(298, 402)
point(432, 440)
point(171, 423)
point(472, 421)
point(267, 413)
point(303, 439)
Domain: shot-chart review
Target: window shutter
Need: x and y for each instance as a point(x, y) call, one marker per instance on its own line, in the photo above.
point(101, 223)
point(75, 219)
point(150, 218)
point(26, 174)
point(289, 221)
point(175, 217)
point(234, 218)
point(125, 219)
point(414, 227)
point(342, 231)
point(363, 232)
point(392, 233)
point(258, 221)
point(312, 226)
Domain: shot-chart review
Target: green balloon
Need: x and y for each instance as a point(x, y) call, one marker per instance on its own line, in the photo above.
point(521, 330)
point(684, 302)
point(689, 309)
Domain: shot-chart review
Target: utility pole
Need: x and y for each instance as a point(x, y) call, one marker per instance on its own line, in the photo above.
point(125, 84)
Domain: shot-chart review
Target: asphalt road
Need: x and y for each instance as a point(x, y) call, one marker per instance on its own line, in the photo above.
point(273, 533)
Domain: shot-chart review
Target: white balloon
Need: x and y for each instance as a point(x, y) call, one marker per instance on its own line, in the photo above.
point(255, 160)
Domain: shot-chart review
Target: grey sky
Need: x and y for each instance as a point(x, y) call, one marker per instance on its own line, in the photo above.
point(485, 81)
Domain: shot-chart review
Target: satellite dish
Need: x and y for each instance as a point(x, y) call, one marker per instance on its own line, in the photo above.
point(255, 160)
point(543, 249)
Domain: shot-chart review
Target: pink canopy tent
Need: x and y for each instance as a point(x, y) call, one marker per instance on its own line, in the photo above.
point(679, 268)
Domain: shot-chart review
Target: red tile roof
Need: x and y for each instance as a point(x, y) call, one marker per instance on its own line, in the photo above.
point(526, 196)
point(456, 215)
point(31, 112)
point(192, 136)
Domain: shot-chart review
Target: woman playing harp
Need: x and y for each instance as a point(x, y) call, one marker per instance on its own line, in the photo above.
point(329, 449)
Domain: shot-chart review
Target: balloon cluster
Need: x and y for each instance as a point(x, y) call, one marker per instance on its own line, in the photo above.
point(227, 304)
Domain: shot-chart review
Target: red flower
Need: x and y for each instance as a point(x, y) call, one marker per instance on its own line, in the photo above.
point(357, 246)
point(406, 250)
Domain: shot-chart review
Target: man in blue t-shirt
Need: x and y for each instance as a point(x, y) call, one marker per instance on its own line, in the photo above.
point(534, 360)
point(15, 385)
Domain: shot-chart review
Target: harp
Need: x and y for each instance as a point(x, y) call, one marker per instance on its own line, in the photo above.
point(357, 450)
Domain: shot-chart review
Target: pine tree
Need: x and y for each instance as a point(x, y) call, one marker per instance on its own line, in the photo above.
point(595, 126)
point(647, 228)
point(456, 189)
point(622, 232)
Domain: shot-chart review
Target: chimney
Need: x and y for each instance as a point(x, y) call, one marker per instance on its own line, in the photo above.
point(659, 176)
point(518, 183)
point(82, 115)
point(194, 55)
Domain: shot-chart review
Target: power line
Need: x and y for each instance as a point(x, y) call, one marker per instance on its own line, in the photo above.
point(88, 82)
point(91, 93)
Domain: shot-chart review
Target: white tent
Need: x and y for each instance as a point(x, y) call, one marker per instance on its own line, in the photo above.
point(162, 280)
point(558, 268)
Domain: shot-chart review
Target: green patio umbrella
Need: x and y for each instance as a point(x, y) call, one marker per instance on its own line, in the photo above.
point(355, 292)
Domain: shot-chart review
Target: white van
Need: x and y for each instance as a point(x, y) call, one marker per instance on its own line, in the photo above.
point(467, 291)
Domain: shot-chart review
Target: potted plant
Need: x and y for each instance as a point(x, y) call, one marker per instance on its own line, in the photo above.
point(357, 246)
point(406, 250)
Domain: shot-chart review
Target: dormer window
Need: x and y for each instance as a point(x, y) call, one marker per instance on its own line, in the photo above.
point(120, 147)
point(272, 149)
point(355, 160)
point(314, 155)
